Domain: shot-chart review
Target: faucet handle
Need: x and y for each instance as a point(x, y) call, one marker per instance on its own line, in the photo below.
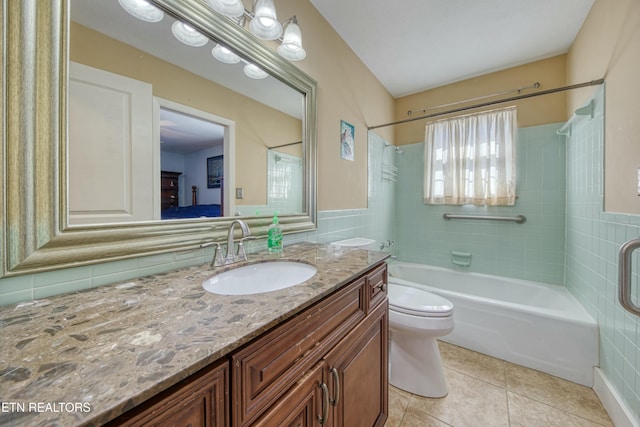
point(217, 259)
point(241, 255)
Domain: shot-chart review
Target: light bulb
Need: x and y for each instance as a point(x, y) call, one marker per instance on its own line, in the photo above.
point(223, 54)
point(254, 72)
point(230, 8)
point(188, 35)
point(291, 47)
point(265, 23)
point(142, 10)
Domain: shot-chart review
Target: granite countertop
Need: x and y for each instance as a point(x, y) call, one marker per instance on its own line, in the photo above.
point(86, 357)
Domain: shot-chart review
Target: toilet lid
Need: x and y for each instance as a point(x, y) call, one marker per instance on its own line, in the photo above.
point(417, 302)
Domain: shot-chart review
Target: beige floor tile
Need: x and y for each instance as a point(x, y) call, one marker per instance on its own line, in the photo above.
point(414, 418)
point(556, 392)
point(488, 392)
point(398, 403)
point(470, 403)
point(395, 418)
point(469, 362)
point(525, 412)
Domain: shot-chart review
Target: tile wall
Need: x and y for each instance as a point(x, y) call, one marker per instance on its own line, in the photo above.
point(593, 239)
point(531, 251)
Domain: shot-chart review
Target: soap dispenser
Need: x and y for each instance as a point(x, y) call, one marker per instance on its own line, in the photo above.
point(274, 239)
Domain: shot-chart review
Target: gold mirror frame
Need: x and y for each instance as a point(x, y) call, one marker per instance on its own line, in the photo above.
point(36, 236)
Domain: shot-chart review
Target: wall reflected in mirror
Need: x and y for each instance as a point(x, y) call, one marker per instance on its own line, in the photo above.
point(285, 178)
point(138, 97)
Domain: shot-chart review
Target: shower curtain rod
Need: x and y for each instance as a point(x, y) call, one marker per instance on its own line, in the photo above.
point(284, 145)
point(489, 103)
point(535, 85)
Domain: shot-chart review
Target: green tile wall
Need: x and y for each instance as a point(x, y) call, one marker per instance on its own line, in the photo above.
point(593, 240)
point(531, 251)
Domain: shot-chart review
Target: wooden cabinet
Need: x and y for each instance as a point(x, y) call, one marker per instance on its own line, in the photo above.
point(348, 387)
point(302, 405)
point(326, 366)
point(355, 376)
point(377, 286)
point(169, 189)
point(265, 369)
point(201, 400)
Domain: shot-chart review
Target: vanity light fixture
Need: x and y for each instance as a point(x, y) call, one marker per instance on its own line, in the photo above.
point(188, 35)
point(254, 72)
point(230, 8)
point(263, 23)
point(223, 54)
point(142, 9)
point(291, 46)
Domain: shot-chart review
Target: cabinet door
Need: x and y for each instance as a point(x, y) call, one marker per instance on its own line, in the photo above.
point(304, 405)
point(266, 368)
point(198, 401)
point(356, 371)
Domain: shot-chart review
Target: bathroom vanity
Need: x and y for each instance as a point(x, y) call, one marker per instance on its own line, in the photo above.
point(161, 351)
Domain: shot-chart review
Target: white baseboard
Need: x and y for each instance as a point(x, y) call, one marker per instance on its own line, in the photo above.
point(617, 409)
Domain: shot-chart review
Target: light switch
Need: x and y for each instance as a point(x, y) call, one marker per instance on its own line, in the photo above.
point(240, 193)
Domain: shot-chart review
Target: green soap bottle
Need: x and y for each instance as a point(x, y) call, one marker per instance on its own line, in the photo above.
point(274, 239)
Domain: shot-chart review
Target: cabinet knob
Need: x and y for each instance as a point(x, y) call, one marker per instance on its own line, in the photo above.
point(382, 286)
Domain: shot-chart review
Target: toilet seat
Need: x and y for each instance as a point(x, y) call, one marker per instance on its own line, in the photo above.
point(416, 302)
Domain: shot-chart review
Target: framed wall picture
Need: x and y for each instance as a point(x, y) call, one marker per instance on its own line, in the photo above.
point(215, 171)
point(346, 140)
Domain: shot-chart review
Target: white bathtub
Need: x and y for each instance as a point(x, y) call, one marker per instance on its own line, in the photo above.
point(532, 324)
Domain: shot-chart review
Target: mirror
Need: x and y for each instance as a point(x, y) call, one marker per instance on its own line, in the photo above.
point(37, 232)
point(119, 65)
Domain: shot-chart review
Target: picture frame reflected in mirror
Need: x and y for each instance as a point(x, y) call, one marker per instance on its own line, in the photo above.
point(215, 171)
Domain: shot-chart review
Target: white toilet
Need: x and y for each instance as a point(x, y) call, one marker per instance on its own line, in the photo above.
point(416, 319)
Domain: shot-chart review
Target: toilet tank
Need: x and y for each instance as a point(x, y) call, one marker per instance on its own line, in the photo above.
point(358, 243)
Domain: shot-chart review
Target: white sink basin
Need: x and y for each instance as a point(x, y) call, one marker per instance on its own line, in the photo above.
point(260, 277)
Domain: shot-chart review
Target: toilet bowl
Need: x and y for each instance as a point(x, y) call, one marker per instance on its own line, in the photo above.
point(416, 319)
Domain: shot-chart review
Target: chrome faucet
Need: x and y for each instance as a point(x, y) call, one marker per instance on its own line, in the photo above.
point(240, 255)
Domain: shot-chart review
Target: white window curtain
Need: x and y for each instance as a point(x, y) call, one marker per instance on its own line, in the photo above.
point(471, 160)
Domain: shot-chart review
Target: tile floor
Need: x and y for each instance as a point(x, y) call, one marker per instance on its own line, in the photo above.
point(489, 392)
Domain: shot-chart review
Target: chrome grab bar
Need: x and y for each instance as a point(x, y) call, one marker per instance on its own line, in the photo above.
point(624, 275)
point(520, 219)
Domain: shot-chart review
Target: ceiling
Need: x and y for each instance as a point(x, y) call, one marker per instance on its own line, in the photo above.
point(184, 134)
point(415, 45)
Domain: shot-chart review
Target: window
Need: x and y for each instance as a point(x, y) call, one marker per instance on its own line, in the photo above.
point(470, 160)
